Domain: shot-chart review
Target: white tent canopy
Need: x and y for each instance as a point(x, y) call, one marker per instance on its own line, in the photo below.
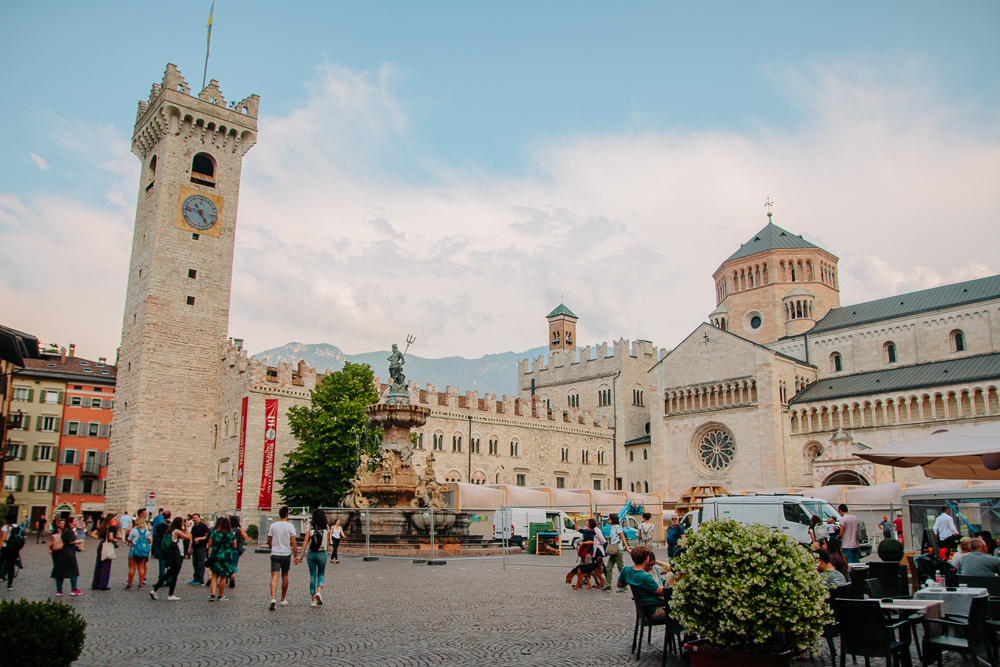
point(965, 453)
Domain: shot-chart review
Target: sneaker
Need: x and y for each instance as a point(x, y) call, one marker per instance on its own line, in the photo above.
point(273, 604)
point(221, 598)
point(606, 588)
point(58, 594)
point(128, 588)
point(193, 583)
point(152, 595)
point(313, 604)
point(319, 599)
point(173, 598)
point(211, 598)
point(283, 603)
point(77, 592)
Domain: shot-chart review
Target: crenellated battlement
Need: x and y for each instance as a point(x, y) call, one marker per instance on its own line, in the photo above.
point(590, 360)
point(171, 108)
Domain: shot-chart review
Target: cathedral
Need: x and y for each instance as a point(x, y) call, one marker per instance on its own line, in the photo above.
point(779, 388)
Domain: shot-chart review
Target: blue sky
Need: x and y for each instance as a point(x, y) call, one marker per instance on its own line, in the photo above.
point(501, 155)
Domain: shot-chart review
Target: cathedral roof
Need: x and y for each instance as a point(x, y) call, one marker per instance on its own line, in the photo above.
point(771, 237)
point(562, 310)
point(936, 298)
point(936, 374)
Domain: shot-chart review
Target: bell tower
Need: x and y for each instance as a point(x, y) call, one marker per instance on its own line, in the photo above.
point(562, 329)
point(177, 302)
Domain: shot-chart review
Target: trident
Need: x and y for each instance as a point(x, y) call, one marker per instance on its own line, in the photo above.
point(409, 341)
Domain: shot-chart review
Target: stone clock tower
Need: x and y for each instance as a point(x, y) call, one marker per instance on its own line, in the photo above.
point(177, 303)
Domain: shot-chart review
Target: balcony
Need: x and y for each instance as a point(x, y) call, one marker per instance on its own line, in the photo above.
point(90, 468)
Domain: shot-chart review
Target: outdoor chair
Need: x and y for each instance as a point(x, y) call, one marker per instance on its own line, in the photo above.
point(865, 632)
point(832, 630)
point(973, 644)
point(876, 592)
point(991, 584)
point(857, 580)
point(889, 574)
point(643, 621)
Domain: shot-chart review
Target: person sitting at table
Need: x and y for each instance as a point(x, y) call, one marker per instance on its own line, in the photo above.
point(837, 557)
point(826, 570)
point(963, 548)
point(991, 544)
point(649, 592)
point(978, 563)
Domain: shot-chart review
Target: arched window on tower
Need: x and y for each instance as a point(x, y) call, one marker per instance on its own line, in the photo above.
point(203, 170)
point(555, 337)
point(836, 362)
point(889, 352)
point(957, 341)
point(151, 174)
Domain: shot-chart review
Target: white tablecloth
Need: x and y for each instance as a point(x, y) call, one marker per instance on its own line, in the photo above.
point(955, 602)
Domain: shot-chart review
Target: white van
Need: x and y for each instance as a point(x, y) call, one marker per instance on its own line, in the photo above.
point(511, 523)
point(789, 514)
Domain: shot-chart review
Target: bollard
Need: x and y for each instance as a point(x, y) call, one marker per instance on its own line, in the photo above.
point(368, 532)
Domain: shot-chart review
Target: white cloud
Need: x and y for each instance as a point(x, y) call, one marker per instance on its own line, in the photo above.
point(39, 161)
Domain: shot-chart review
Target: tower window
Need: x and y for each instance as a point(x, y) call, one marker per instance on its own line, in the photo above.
point(203, 170)
point(192, 273)
point(957, 341)
point(151, 174)
point(836, 362)
point(890, 353)
point(190, 301)
point(195, 237)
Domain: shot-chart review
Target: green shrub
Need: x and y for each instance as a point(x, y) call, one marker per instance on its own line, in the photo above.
point(890, 550)
point(40, 634)
point(749, 588)
point(252, 531)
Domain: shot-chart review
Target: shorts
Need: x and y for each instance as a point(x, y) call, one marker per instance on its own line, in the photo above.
point(139, 559)
point(281, 564)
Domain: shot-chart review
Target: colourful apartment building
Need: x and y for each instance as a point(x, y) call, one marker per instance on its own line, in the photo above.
point(60, 453)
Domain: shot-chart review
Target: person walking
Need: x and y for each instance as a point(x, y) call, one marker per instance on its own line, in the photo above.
point(281, 541)
point(159, 530)
point(674, 535)
point(849, 535)
point(314, 548)
point(63, 548)
point(222, 543)
point(11, 543)
point(646, 530)
point(199, 549)
point(241, 542)
point(173, 539)
point(140, 540)
point(40, 528)
point(336, 535)
point(108, 536)
point(125, 524)
point(616, 547)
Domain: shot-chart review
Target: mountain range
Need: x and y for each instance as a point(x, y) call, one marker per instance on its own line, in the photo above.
point(491, 373)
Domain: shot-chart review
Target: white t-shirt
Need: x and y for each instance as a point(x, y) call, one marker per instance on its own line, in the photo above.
point(281, 533)
point(337, 532)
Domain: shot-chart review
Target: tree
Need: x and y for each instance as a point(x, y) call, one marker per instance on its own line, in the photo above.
point(332, 432)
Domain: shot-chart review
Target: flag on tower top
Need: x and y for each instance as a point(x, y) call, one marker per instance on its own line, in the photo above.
point(208, 37)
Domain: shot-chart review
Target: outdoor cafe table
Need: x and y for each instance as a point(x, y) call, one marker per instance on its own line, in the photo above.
point(954, 602)
point(906, 608)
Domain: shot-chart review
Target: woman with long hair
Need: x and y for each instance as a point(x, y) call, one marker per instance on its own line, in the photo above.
point(336, 535)
point(107, 533)
point(241, 540)
point(314, 548)
point(63, 547)
point(221, 545)
point(140, 540)
point(174, 559)
point(837, 557)
point(817, 533)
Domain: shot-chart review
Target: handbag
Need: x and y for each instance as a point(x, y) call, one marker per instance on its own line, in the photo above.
point(613, 549)
point(108, 551)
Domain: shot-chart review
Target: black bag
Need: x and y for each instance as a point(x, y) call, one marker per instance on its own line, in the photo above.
point(15, 541)
point(316, 540)
point(241, 544)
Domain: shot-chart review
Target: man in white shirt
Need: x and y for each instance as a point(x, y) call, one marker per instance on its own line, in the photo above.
point(281, 540)
point(945, 530)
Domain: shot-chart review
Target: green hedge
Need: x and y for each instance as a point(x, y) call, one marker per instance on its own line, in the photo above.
point(890, 550)
point(252, 531)
point(40, 634)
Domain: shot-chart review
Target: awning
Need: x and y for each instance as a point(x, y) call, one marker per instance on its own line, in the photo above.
point(964, 453)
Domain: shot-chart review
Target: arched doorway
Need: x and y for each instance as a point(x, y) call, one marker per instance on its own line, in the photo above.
point(847, 477)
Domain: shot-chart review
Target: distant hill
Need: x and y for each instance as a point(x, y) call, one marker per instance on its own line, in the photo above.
point(492, 373)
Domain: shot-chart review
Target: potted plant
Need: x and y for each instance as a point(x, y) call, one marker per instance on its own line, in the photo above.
point(890, 550)
point(753, 595)
point(40, 634)
point(451, 543)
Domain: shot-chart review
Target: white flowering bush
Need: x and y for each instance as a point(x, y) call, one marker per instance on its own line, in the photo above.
point(749, 588)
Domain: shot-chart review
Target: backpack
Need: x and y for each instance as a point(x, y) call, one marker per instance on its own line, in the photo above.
point(141, 547)
point(15, 539)
point(55, 543)
point(316, 540)
point(166, 541)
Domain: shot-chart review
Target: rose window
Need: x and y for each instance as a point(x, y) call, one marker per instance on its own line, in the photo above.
point(716, 450)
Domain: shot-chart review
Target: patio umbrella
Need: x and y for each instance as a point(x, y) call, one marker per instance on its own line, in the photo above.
point(965, 453)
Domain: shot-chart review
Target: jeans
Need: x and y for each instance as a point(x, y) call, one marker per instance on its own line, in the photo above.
point(163, 565)
point(317, 570)
point(853, 555)
point(236, 560)
point(198, 557)
point(72, 583)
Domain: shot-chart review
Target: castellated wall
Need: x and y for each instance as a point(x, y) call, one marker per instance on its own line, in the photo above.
point(582, 377)
point(540, 436)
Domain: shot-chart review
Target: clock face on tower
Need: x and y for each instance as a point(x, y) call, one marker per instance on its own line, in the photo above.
point(200, 212)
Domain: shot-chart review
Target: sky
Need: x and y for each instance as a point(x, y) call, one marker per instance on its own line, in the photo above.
point(453, 170)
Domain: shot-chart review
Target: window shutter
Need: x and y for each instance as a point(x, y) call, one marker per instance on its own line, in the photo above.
point(23, 452)
point(65, 428)
point(52, 483)
point(34, 453)
point(99, 488)
point(31, 483)
point(31, 395)
point(19, 483)
point(55, 427)
point(106, 404)
point(59, 400)
point(41, 395)
point(38, 423)
point(77, 486)
point(104, 459)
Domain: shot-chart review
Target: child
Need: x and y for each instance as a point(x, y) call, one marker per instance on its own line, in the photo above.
point(583, 551)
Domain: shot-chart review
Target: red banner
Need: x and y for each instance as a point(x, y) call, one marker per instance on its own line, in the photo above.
point(270, 434)
point(243, 449)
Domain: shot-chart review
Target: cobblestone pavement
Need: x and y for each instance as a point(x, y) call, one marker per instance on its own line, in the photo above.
point(389, 612)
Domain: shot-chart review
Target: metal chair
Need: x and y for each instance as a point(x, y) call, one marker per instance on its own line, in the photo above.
point(974, 644)
point(832, 630)
point(888, 575)
point(643, 621)
point(991, 584)
point(865, 632)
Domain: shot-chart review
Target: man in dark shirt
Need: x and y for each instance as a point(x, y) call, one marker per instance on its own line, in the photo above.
point(199, 549)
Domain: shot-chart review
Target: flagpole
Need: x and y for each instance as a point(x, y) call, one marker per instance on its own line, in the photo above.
point(208, 44)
